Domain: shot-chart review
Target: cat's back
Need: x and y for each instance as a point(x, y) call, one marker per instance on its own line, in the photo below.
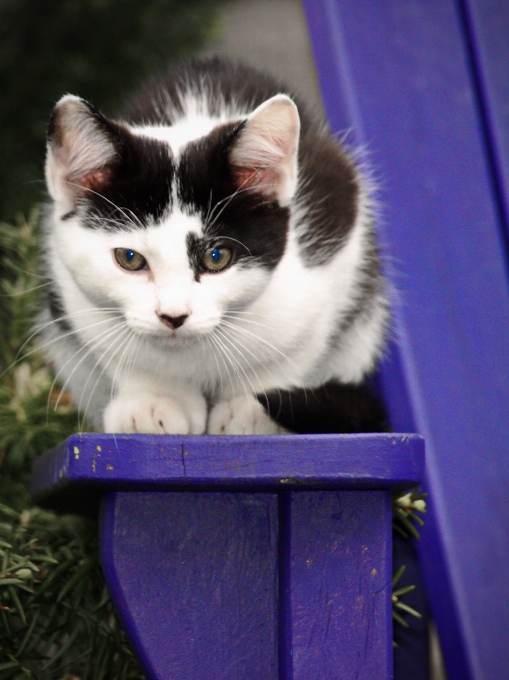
point(220, 86)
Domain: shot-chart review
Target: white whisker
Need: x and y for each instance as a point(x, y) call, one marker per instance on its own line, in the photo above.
point(25, 291)
point(136, 222)
point(39, 348)
point(263, 341)
point(114, 381)
point(228, 339)
point(89, 346)
point(41, 327)
point(98, 363)
point(125, 341)
point(227, 333)
point(227, 353)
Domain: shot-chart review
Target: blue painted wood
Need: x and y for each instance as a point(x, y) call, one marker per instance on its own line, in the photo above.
point(340, 553)
point(486, 30)
point(194, 576)
point(400, 74)
point(100, 462)
point(213, 576)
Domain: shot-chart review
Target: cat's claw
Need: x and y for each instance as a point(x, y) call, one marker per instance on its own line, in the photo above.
point(241, 415)
point(146, 414)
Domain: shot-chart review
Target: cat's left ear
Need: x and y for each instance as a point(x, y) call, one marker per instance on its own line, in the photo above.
point(264, 155)
point(80, 151)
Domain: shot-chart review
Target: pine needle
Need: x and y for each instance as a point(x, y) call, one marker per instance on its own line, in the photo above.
point(56, 618)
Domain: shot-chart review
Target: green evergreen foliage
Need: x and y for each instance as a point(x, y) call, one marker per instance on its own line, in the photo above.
point(97, 49)
point(56, 616)
point(404, 508)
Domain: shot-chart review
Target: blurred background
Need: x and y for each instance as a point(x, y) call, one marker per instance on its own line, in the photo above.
point(102, 49)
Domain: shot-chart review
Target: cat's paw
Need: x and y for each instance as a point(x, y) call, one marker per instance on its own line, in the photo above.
point(241, 415)
point(146, 414)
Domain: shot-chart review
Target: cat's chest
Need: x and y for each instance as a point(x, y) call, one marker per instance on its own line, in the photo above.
point(254, 356)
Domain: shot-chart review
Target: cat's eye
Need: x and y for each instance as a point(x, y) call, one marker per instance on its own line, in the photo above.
point(130, 259)
point(216, 259)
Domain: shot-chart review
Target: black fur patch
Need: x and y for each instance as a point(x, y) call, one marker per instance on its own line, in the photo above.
point(69, 215)
point(138, 185)
point(253, 226)
point(369, 285)
point(57, 310)
point(332, 408)
point(129, 190)
point(329, 193)
point(328, 188)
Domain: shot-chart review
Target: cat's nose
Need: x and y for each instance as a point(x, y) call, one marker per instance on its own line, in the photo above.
point(173, 321)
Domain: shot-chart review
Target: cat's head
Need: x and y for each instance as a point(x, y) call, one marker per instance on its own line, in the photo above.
point(171, 226)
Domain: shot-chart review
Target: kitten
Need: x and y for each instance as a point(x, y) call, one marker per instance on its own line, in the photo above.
point(213, 262)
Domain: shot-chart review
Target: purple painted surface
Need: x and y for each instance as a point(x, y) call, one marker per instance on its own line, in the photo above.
point(400, 75)
point(487, 27)
point(196, 576)
point(105, 462)
point(212, 583)
point(340, 552)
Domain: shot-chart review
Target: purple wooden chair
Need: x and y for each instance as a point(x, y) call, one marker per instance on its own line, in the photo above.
point(219, 573)
point(234, 558)
point(424, 87)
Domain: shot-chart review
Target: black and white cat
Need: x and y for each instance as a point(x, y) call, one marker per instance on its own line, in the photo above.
point(213, 262)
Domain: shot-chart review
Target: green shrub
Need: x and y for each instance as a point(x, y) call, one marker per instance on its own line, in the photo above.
point(98, 49)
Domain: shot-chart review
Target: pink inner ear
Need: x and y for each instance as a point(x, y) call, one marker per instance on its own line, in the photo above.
point(92, 181)
point(265, 179)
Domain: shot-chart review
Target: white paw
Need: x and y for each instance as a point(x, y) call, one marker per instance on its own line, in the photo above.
point(145, 414)
point(241, 415)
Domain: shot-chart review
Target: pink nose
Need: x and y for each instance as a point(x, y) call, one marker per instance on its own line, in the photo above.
point(173, 321)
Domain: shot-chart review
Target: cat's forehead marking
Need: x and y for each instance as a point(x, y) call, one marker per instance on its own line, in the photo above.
point(184, 131)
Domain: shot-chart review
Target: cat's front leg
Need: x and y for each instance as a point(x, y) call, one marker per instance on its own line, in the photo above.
point(146, 411)
point(242, 415)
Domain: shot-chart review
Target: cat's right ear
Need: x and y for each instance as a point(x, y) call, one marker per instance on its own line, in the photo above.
point(264, 155)
point(80, 151)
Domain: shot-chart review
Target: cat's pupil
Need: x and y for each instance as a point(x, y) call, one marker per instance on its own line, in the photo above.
point(215, 254)
point(130, 255)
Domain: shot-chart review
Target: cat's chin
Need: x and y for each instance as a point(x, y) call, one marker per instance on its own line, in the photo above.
point(172, 340)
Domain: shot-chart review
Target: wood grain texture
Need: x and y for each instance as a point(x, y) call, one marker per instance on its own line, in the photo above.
point(235, 586)
point(340, 545)
point(194, 577)
point(87, 465)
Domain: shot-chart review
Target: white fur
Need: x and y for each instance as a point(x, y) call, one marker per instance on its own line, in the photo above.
point(248, 330)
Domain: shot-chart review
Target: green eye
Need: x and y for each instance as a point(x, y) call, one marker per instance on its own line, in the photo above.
point(130, 259)
point(216, 259)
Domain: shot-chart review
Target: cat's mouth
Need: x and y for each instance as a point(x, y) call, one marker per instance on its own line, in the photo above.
point(173, 338)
